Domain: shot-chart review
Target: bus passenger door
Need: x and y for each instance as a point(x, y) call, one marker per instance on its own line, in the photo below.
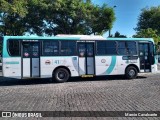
point(90, 58)
point(86, 58)
point(144, 55)
point(30, 59)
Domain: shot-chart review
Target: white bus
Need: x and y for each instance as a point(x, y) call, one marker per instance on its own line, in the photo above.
point(66, 56)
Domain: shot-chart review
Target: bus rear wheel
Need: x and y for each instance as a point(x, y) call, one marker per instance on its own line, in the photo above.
point(131, 72)
point(61, 75)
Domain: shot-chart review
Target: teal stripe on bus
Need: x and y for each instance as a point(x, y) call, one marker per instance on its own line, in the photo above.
point(12, 62)
point(40, 38)
point(112, 65)
point(131, 39)
point(5, 51)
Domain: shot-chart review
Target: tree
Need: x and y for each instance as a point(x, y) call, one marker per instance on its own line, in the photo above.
point(101, 19)
point(11, 13)
point(149, 18)
point(148, 33)
point(118, 35)
point(53, 17)
point(35, 19)
point(21, 16)
point(78, 17)
point(67, 17)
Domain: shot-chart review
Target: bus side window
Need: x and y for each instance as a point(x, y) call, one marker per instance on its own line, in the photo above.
point(151, 53)
point(14, 47)
point(106, 48)
point(101, 48)
point(50, 48)
point(68, 48)
point(122, 48)
point(127, 48)
point(131, 47)
point(90, 50)
point(111, 48)
point(81, 50)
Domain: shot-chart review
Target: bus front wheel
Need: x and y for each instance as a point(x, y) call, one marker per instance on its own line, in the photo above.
point(61, 75)
point(131, 72)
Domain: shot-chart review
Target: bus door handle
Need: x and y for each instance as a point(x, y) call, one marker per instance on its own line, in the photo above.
point(35, 67)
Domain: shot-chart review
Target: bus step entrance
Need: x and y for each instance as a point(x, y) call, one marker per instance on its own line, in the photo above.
point(84, 76)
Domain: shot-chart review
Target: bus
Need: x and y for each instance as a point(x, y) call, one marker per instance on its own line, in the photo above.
point(64, 56)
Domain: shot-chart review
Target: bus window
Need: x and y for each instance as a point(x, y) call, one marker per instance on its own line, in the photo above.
point(111, 48)
point(14, 47)
point(50, 48)
point(101, 48)
point(81, 49)
point(122, 48)
point(68, 48)
point(90, 50)
point(106, 48)
point(35, 49)
point(151, 53)
point(26, 50)
point(127, 48)
point(131, 48)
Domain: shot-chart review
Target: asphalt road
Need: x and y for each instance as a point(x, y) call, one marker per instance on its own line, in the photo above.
point(90, 94)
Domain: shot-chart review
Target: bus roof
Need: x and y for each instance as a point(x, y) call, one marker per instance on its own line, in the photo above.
point(135, 39)
point(65, 37)
point(77, 37)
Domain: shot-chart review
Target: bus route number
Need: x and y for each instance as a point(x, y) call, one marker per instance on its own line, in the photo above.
point(59, 61)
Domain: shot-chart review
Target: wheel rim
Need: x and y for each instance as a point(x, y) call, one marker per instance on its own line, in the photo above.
point(61, 75)
point(131, 73)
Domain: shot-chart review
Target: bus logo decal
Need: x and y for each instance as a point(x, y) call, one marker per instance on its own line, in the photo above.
point(26, 54)
point(103, 61)
point(47, 62)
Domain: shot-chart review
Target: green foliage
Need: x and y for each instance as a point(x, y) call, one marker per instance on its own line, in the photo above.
point(34, 20)
point(14, 7)
point(118, 35)
point(101, 19)
point(149, 18)
point(20, 16)
point(53, 17)
point(148, 33)
point(11, 13)
point(78, 17)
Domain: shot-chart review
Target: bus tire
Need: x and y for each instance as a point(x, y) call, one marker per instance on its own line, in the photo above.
point(61, 75)
point(131, 72)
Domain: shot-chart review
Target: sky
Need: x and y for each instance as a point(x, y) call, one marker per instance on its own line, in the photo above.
point(126, 12)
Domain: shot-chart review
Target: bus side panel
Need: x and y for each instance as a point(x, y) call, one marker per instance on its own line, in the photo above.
point(12, 67)
point(48, 64)
point(106, 65)
point(122, 64)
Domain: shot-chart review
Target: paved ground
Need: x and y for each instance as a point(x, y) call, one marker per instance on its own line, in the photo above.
point(98, 94)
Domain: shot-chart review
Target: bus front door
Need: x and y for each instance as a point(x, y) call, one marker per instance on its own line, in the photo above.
point(86, 58)
point(30, 59)
point(144, 55)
